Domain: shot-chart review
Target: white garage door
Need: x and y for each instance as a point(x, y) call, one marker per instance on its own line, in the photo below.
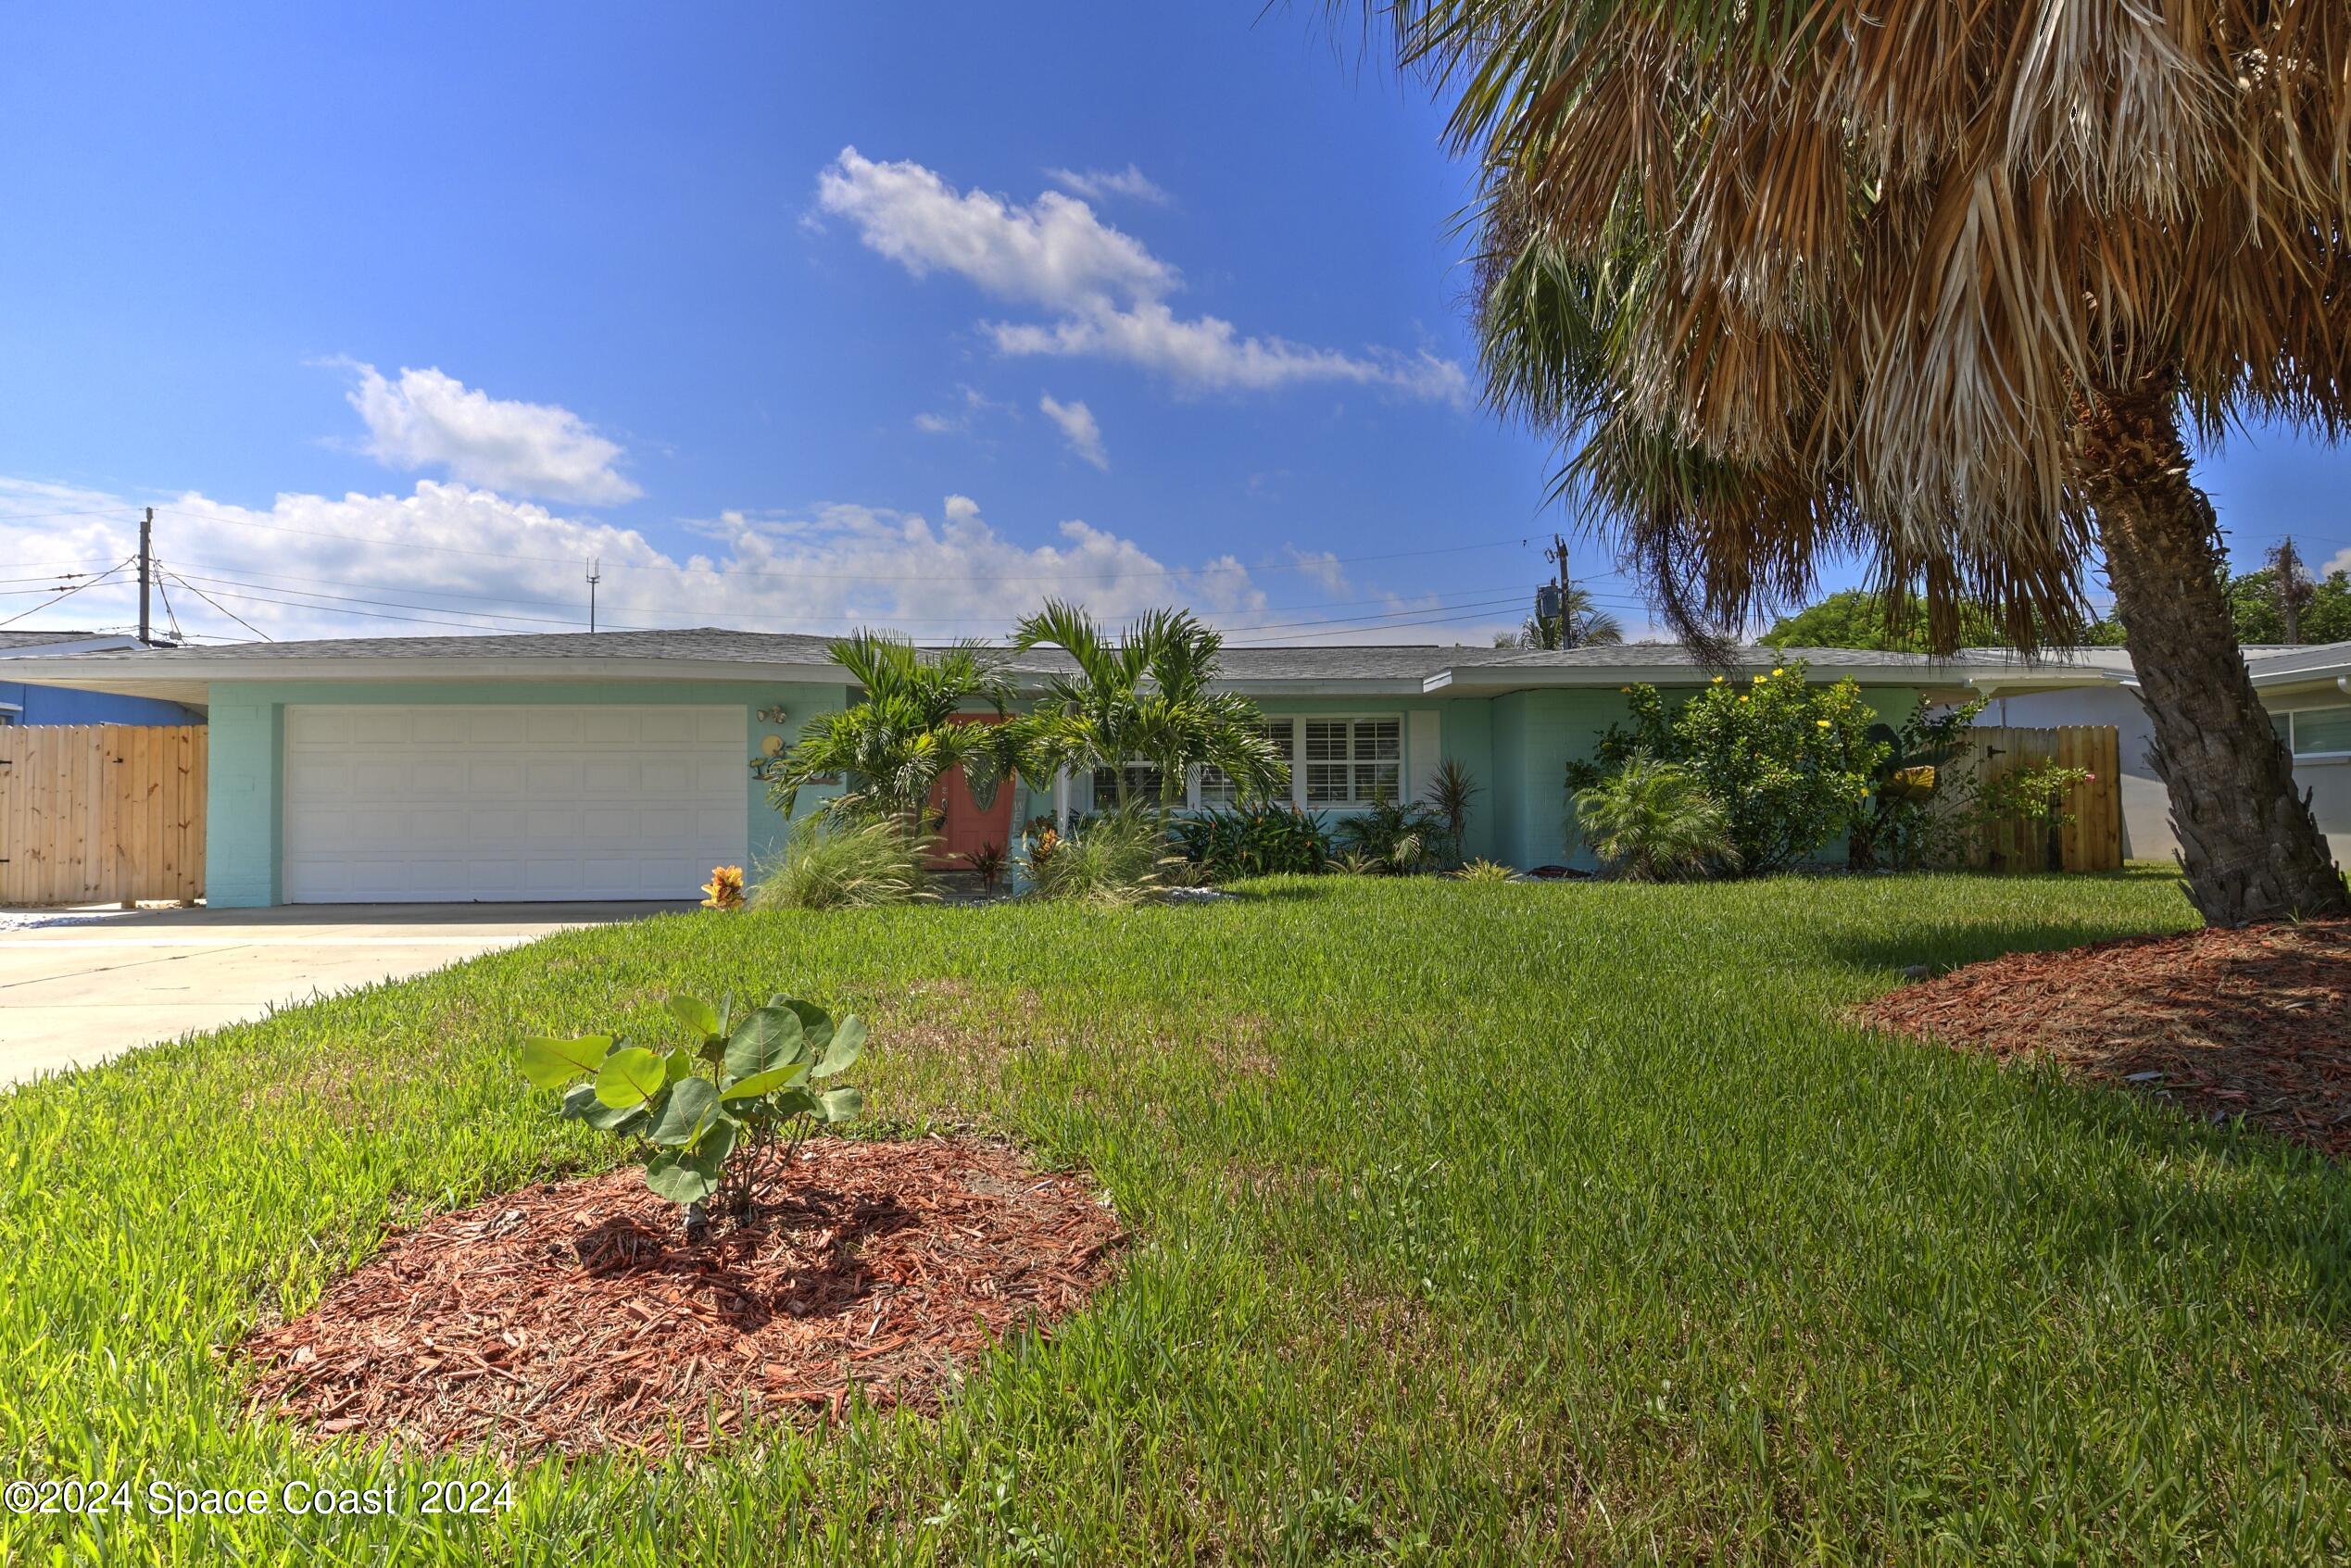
point(492, 802)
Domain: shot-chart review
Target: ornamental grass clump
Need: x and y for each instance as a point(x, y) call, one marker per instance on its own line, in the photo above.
point(706, 1118)
point(845, 863)
point(1118, 857)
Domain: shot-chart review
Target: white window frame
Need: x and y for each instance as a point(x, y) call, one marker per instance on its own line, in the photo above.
point(1296, 760)
point(2292, 735)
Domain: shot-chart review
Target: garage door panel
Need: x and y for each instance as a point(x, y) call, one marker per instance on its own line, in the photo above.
point(497, 802)
point(313, 727)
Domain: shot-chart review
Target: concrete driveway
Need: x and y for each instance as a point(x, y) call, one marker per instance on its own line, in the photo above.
point(77, 986)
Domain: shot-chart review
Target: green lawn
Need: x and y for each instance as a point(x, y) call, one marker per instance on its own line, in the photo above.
point(1475, 1223)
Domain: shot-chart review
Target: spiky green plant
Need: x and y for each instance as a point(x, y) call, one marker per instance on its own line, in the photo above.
point(1654, 822)
point(1450, 792)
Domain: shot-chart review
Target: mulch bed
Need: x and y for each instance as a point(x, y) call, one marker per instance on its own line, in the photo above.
point(2252, 1022)
point(573, 1316)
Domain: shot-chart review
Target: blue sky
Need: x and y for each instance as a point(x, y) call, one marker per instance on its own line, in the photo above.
point(399, 316)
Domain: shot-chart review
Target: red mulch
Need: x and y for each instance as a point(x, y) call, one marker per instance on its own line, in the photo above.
point(2252, 1022)
point(573, 1316)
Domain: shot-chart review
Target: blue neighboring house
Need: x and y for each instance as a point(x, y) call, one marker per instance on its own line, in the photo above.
point(26, 702)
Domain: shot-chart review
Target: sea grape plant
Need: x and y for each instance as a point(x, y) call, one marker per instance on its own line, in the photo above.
point(703, 1117)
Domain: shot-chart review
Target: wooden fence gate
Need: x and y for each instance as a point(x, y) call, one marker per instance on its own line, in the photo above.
point(2093, 840)
point(101, 813)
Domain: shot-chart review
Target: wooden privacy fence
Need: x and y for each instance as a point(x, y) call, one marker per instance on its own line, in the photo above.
point(101, 813)
point(2093, 840)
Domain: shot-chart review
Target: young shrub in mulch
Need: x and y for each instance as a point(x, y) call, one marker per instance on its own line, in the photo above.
point(2252, 1022)
point(747, 1273)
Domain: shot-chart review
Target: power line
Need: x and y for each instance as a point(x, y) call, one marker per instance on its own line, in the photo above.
point(1306, 637)
point(270, 580)
point(328, 609)
point(45, 517)
point(69, 592)
point(1327, 622)
point(224, 610)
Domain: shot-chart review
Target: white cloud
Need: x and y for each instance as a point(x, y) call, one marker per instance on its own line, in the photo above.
point(2339, 561)
point(1076, 421)
point(1104, 290)
point(1210, 354)
point(429, 419)
point(1101, 185)
point(446, 560)
point(959, 416)
point(449, 559)
point(1053, 252)
point(1321, 567)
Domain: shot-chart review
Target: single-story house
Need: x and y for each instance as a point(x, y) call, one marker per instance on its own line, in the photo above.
point(616, 765)
point(27, 701)
point(2306, 691)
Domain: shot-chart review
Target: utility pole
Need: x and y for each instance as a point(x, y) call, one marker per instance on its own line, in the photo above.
point(595, 575)
point(146, 569)
point(1567, 628)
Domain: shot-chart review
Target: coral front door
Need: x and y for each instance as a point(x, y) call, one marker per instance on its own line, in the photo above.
point(964, 827)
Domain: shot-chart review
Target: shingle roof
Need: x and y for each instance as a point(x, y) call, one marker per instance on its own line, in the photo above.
point(694, 642)
point(41, 638)
point(1674, 656)
point(2316, 659)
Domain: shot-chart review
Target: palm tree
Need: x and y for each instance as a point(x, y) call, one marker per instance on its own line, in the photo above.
point(1149, 698)
point(1586, 625)
point(1935, 286)
point(894, 744)
point(1654, 822)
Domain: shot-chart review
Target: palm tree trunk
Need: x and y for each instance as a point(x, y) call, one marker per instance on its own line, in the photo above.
point(2251, 849)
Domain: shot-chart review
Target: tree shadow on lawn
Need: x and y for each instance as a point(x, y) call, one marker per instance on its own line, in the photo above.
point(1954, 946)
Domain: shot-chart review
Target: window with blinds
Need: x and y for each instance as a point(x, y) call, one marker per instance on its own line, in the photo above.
point(1215, 789)
point(1142, 785)
point(1353, 761)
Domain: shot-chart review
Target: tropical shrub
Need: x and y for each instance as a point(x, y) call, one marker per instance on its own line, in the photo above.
point(1149, 698)
point(1911, 818)
point(1256, 840)
point(702, 1118)
point(724, 890)
point(1483, 870)
point(1116, 857)
point(1790, 763)
point(2036, 793)
point(1652, 822)
point(1450, 792)
point(1354, 863)
point(890, 749)
point(1396, 839)
point(987, 862)
point(843, 863)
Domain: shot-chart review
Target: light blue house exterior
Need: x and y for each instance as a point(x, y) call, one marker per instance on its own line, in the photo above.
point(618, 764)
